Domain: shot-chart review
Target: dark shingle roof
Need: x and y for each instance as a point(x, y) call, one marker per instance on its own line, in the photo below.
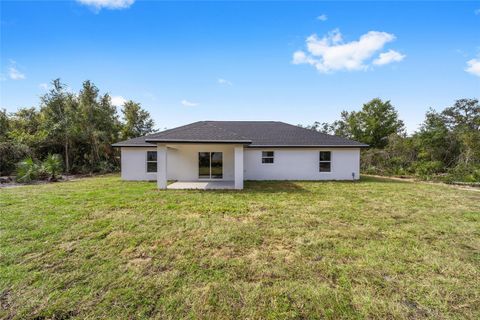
point(135, 142)
point(251, 133)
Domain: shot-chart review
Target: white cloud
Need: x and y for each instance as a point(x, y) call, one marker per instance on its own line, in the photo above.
point(224, 82)
point(388, 57)
point(14, 74)
point(118, 100)
point(187, 103)
point(322, 17)
point(97, 5)
point(331, 53)
point(300, 57)
point(473, 67)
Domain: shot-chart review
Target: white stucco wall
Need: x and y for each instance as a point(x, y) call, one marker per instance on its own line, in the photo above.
point(134, 164)
point(289, 164)
point(182, 162)
point(301, 164)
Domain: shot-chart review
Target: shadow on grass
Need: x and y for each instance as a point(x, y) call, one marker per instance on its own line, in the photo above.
point(261, 187)
point(302, 186)
point(273, 186)
point(295, 186)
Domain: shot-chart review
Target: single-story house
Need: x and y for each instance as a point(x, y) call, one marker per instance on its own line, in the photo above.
point(222, 154)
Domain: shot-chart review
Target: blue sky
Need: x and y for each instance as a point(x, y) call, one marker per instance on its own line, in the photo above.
point(296, 62)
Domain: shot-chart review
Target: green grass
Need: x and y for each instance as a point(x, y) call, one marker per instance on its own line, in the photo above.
point(103, 248)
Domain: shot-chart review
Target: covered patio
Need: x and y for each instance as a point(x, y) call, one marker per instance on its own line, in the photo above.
point(199, 165)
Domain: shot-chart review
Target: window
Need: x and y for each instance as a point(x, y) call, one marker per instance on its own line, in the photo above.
point(151, 161)
point(325, 161)
point(210, 165)
point(267, 156)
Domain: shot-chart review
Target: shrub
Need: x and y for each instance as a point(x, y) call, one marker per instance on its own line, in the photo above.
point(465, 173)
point(28, 170)
point(106, 167)
point(377, 161)
point(427, 169)
point(52, 166)
point(10, 154)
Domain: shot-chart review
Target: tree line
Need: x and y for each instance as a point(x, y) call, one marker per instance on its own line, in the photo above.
point(78, 126)
point(79, 129)
point(445, 147)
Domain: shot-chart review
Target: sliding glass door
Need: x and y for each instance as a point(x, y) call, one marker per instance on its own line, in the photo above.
point(210, 165)
point(216, 165)
point(204, 165)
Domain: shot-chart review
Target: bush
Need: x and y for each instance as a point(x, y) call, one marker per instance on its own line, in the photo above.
point(106, 167)
point(427, 169)
point(28, 170)
point(377, 161)
point(373, 161)
point(52, 166)
point(10, 154)
point(464, 173)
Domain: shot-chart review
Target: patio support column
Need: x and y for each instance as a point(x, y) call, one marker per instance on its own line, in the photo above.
point(161, 166)
point(238, 164)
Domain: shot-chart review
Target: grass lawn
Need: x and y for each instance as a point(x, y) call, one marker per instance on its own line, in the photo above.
point(103, 248)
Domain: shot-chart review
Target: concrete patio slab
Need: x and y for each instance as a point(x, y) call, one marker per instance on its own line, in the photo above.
point(202, 185)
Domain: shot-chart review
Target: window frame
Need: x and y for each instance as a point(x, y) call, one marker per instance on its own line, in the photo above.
point(211, 177)
point(264, 157)
point(151, 161)
point(320, 161)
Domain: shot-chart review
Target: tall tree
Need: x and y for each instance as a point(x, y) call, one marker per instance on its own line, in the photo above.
point(435, 141)
point(137, 122)
point(80, 127)
point(376, 122)
point(88, 107)
point(24, 127)
point(372, 125)
point(464, 114)
point(463, 119)
point(58, 109)
point(107, 119)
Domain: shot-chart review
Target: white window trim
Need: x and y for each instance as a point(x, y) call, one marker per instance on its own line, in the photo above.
point(324, 161)
point(267, 157)
point(147, 161)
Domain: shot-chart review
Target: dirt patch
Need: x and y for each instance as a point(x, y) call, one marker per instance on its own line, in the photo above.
point(285, 252)
point(139, 263)
point(239, 219)
point(5, 301)
point(224, 253)
point(68, 246)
